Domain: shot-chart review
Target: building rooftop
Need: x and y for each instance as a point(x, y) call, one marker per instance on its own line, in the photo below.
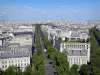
point(15, 54)
point(76, 52)
point(22, 39)
point(14, 51)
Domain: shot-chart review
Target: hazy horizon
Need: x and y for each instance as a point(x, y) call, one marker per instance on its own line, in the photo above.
point(35, 10)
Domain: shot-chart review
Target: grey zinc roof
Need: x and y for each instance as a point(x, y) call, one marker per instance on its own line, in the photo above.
point(5, 47)
point(15, 54)
point(77, 52)
point(14, 44)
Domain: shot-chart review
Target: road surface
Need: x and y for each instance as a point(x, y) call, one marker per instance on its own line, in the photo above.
point(49, 69)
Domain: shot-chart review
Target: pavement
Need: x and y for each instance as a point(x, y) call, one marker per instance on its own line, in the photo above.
point(49, 70)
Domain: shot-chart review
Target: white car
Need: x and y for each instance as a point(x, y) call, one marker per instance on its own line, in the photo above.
point(45, 50)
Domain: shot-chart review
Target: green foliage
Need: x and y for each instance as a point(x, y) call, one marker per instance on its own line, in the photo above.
point(37, 59)
point(83, 41)
point(59, 38)
point(74, 70)
point(95, 51)
point(85, 70)
point(66, 39)
point(96, 70)
point(88, 40)
point(28, 70)
point(13, 70)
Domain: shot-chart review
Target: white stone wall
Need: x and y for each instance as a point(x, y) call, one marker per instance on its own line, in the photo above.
point(75, 46)
point(0, 42)
point(79, 60)
point(19, 62)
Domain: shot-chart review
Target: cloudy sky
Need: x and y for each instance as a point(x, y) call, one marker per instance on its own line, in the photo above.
point(49, 9)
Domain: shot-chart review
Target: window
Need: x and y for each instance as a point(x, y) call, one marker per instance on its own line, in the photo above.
point(27, 38)
point(5, 62)
point(2, 66)
point(21, 64)
point(79, 59)
point(12, 61)
point(69, 59)
point(2, 62)
point(25, 64)
point(76, 59)
point(79, 62)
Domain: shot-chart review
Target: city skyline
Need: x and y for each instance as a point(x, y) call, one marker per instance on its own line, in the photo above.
point(26, 10)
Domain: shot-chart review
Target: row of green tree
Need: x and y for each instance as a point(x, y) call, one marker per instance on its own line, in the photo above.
point(14, 70)
point(95, 51)
point(96, 34)
point(37, 59)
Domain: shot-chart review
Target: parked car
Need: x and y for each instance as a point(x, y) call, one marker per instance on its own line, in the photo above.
point(55, 73)
point(50, 62)
point(45, 50)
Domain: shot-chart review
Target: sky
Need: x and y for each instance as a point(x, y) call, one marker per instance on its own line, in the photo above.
point(35, 10)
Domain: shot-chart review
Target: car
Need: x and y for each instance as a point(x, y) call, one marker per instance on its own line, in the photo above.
point(45, 46)
point(46, 69)
point(55, 73)
point(48, 56)
point(50, 62)
point(53, 66)
point(45, 50)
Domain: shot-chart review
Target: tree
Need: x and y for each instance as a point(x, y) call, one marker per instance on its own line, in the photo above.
point(1, 72)
point(96, 71)
point(84, 70)
point(13, 70)
point(28, 70)
point(74, 70)
point(37, 59)
point(66, 39)
point(95, 51)
point(88, 40)
point(59, 39)
point(83, 41)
